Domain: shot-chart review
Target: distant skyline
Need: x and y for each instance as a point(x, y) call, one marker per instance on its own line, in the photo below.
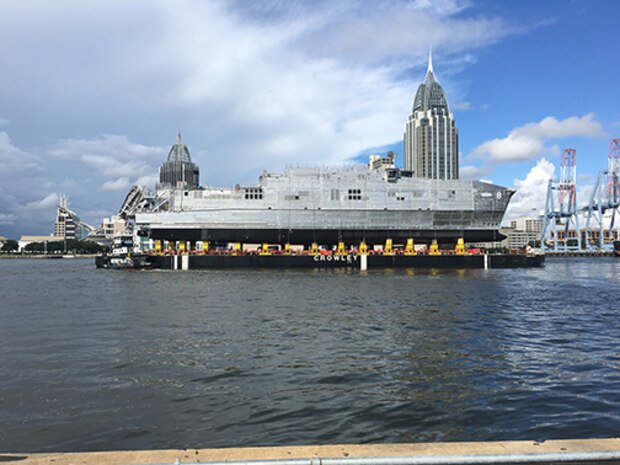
point(92, 94)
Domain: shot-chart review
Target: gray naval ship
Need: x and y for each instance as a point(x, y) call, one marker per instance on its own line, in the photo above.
point(305, 205)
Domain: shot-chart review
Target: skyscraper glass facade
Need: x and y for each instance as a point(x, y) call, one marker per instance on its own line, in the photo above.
point(431, 143)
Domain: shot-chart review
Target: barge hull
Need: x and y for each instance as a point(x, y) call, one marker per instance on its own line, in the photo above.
point(201, 262)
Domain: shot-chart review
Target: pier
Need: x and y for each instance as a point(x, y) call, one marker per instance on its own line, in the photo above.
point(582, 452)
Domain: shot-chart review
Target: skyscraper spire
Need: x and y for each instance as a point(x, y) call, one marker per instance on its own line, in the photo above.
point(178, 137)
point(431, 138)
point(430, 60)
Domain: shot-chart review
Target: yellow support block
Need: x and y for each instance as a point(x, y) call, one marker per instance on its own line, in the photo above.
point(265, 250)
point(434, 248)
point(236, 248)
point(409, 248)
point(341, 249)
point(182, 247)
point(363, 248)
point(158, 247)
point(388, 249)
point(314, 248)
point(287, 249)
point(460, 246)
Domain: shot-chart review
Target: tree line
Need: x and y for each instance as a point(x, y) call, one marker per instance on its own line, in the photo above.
point(70, 246)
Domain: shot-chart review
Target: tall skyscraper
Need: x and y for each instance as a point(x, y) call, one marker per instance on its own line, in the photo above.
point(178, 170)
point(431, 138)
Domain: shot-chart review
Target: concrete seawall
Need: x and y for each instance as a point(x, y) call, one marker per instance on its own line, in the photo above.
point(559, 451)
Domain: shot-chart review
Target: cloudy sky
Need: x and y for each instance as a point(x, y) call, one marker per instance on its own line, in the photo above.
point(92, 94)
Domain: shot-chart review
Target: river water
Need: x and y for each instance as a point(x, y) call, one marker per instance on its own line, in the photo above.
point(104, 360)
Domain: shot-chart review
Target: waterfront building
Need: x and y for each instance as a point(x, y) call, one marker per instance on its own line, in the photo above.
point(67, 221)
point(431, 140)
point(527, 224)
point(178, 171)
point(113, 226)
point(518, 239)
point(25, 240)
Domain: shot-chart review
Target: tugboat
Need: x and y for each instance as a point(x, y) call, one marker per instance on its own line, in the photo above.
point(122, 256)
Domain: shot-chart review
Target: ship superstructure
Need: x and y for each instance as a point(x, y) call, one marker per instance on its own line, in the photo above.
point(305, 205)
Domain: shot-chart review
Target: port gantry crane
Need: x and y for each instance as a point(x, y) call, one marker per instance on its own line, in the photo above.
point(605, 197)
point(561, 207)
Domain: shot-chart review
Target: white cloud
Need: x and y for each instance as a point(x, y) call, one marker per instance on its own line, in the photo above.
point(529, 141)
point(531, 193)
point(474, 172)
point(15, 161)
point(391, 31)
point(148, 180)
point(111, 156)
point(119, 184)
point(7, 219)
point(50, 201)
point(462, 106)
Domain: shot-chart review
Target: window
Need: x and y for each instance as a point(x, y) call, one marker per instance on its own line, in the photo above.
point(253, 193)
point(354, 194)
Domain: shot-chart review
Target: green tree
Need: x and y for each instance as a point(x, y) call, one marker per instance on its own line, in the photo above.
point(84, 247)
point(10, 245)
point(55, 247)
point(38, 247)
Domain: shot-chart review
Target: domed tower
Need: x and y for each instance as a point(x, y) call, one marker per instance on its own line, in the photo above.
point(178, 170)
point(431, 140)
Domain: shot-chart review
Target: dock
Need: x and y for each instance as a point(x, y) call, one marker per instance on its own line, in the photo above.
point(581, 451)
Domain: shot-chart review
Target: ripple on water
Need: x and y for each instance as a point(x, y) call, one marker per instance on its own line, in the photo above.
point(219, 358)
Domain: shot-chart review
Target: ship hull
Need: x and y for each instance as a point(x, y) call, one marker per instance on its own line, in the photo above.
point(321, 236)
point(617, 249)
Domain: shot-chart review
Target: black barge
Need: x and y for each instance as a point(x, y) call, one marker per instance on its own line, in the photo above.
point(327, 261)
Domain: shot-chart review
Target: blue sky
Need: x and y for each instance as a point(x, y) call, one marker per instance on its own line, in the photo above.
point(93, 94)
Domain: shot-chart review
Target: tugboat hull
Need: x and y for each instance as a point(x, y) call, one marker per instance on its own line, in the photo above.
point(136, 262)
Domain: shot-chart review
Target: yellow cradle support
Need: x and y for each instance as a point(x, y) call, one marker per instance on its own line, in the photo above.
point(409, 248)
point(388, 249)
